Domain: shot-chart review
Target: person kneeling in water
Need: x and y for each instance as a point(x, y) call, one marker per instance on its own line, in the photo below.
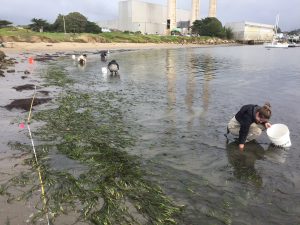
point(249, 122)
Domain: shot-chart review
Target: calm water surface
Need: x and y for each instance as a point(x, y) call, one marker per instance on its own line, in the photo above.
point(182, 99)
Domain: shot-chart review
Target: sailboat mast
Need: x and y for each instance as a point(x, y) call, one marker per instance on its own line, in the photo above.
point(276, 24)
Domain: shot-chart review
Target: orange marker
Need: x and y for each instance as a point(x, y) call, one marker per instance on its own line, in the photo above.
point(30, 60)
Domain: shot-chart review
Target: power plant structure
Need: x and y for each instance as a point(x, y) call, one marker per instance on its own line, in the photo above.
point(212, 8)
point(195, 12)
point(150, 18)
point(171, 22)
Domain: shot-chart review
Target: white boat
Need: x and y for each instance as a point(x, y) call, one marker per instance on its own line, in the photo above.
point(293, 44)
point(275, 43)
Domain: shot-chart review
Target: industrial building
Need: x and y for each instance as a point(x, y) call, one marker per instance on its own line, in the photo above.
point(148, 18)
point(251, 32)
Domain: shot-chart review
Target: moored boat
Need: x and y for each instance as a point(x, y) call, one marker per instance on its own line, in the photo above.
point(293, 44)
point(276, 44)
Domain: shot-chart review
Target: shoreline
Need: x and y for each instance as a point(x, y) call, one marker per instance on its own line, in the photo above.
point(68, 47)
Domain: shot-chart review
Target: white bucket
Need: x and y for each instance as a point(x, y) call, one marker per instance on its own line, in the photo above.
point(279, 135)
point(104, 70)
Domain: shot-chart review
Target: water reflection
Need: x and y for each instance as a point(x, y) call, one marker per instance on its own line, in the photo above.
point(171, 80)
point(171, 89)
point(81, 67)
point(168, 91)
point(205, 67)
point(276, 154)
point(243, 162)
point(190, 89)
point(208, 75)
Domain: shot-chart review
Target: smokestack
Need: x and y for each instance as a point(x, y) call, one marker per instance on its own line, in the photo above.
point(195, 11)
point(172, 14)
point(212, 8)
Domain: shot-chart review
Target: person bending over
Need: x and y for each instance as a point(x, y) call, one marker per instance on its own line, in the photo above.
point(113, 67)
point(82, 59)
point(249, 122)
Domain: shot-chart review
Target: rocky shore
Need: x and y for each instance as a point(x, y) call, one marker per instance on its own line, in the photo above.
point(5, 64)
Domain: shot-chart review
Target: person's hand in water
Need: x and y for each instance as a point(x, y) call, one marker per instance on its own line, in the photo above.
point(241, 147)
point(268, 125)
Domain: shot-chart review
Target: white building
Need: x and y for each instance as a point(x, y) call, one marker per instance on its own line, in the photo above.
point(135, 15)
point(248, 31)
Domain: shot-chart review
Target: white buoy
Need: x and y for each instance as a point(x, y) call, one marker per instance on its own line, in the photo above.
point(73, 57)
point(279, 135)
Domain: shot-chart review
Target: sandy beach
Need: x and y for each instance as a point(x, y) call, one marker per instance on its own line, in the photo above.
point(42, 47)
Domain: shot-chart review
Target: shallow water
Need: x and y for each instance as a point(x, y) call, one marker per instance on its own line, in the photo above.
point(181, 101)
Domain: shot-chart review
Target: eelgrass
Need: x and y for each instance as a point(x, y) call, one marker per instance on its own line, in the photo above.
point(112, 188)
point(56, 76)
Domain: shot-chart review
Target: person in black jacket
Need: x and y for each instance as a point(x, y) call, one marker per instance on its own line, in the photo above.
point(103, 55)
point(113, 67)
point(249, 122)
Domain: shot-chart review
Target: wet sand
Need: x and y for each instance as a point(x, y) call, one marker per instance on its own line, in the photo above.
point(42, 47)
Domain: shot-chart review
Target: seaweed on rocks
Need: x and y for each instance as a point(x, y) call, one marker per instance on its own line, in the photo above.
point(5, 63)
point(26, 103)
point(25, 87)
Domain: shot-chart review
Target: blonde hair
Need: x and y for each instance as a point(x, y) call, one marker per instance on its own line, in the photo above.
point(265, 111)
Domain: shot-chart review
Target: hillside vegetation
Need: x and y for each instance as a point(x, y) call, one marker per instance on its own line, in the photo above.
point(25, 35)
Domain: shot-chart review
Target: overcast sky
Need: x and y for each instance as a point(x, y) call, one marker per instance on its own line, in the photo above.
point(20, 12)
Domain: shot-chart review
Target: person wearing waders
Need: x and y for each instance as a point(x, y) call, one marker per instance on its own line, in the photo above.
point(113, 67)
point(82, 59)
point(103, 55)
point(249, 122)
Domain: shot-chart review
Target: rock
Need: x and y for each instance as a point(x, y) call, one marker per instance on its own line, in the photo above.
point(25, 87)
point(2, 56)
point(44, 92)
point(26, 103)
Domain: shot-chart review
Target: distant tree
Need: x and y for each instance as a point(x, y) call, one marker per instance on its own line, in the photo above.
point(58, 25)
point(5, 23)
point(74, 23)
point(92, 27)
point(197, 24)
point(39, 25)
point(294, 32)
point(229, 33)
point(210, 26)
